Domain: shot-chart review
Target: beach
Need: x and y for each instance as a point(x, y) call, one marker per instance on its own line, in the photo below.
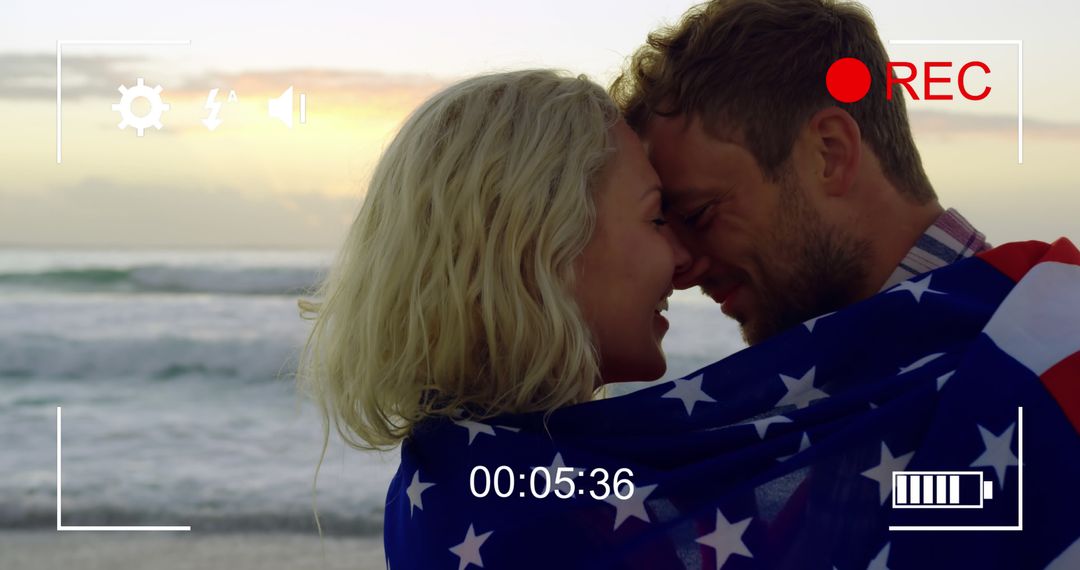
point(174, 372)
point(51, 550)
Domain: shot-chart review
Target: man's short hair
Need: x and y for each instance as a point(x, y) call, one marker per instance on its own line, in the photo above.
point(756, 68)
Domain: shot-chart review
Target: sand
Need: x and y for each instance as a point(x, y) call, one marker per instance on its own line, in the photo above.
point(51, 550)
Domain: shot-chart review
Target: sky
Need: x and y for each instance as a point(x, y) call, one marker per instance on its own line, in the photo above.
point(363, 66)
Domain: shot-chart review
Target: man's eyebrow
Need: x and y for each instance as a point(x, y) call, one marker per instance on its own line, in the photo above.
point(683, 196)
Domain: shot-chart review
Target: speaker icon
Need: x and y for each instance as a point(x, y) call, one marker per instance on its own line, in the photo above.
point(281, 107)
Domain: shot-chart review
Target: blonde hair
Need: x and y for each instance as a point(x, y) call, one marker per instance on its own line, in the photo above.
point(453, 289)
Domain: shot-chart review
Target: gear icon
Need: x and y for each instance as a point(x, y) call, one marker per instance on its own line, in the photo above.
point(151, 118)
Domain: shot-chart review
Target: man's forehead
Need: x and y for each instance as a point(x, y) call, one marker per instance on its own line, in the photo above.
point(694, 168)
point(668, 141)
point(664, 126)
point(667, 128)
point(680, 150)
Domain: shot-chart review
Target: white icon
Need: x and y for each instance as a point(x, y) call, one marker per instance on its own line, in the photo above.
point(212, 121)
point(938, 490)
point(958, 489)
point(281, 107)
point(152, 118)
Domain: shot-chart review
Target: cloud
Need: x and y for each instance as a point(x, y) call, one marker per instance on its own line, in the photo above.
point(99, 212)
point(33, 76)
point(946, 123)
point(366, 82)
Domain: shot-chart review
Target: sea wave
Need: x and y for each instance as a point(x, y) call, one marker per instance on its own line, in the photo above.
point(368, 522)
point(168, 279)
point(162, 358)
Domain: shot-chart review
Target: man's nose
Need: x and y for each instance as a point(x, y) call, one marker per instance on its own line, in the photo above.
point(690, 274)
point(688, 269)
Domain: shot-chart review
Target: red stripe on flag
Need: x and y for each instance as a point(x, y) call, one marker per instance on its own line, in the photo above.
point(1062, 380)
point(1016, 258)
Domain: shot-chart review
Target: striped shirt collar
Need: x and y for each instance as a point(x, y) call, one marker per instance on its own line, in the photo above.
point(950, 238)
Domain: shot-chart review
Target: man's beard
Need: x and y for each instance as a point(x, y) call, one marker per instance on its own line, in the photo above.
point(811, 269)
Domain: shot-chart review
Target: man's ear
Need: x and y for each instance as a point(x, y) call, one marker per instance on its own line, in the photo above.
point(837, 142)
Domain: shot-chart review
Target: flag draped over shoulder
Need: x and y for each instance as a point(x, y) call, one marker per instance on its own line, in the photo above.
point(810, 450)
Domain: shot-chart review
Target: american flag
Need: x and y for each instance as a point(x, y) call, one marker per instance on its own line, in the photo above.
point(793, 453)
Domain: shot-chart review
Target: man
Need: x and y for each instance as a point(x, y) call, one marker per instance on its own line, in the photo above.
point(821, 447)
point(796, 206)
point(793, 203)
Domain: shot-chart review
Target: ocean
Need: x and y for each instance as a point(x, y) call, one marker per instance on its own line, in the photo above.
point(174, 370)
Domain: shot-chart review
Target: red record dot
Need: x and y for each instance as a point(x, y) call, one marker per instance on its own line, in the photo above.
point(848, 80)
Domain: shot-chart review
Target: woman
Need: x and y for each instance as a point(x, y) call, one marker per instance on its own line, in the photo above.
point(511, 256)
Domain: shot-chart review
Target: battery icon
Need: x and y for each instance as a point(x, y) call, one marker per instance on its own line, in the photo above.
point(940, 490)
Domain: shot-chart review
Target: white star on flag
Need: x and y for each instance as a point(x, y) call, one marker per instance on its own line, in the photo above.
point(881, 561)
point(811, 322)
point(943, 379)
point(920, 362)
point(690, 392)
point(998, 453)
point(1069, 559)
point(414, 491)
point(631, 507)
point(763, 424)
point(727, 539)
point(469, 550)
point(804, 444)
point(882, 472)
point(475, 428)
point(916, 288)
point(800, 391)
